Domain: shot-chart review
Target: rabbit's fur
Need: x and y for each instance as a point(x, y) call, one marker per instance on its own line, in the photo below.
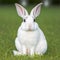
point(30, 39)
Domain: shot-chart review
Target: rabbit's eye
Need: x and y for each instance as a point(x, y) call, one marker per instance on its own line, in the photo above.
point(34, 20)
point(24, 20)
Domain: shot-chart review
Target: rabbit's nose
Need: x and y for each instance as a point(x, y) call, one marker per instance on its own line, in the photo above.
point(29, 26)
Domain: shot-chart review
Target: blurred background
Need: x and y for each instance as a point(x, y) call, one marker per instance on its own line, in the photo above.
point(26, 2)
point(48, 20)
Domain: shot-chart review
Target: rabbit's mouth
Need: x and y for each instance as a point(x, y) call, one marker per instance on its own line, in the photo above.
point(31, 30)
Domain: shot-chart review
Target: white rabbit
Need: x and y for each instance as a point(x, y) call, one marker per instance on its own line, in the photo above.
point(30, 39)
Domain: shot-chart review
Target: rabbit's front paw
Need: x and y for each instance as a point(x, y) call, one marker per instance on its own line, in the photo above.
point(16, 53)
point(32, 51)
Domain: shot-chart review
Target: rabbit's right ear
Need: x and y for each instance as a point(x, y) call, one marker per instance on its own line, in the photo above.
point(36, 10)
point(22, 12)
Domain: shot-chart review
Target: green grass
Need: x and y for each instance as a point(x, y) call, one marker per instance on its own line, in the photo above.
point(49, 22)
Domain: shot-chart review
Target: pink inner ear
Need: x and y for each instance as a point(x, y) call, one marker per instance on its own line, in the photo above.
point(21, 9)
point(37, 8)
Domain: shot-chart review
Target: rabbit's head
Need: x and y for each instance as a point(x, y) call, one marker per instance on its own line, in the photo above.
point(28, 23)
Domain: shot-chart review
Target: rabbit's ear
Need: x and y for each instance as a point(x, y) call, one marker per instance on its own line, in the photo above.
point(22, 12)
point(36, 10)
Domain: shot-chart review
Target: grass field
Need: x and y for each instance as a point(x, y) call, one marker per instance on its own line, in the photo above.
point(49, 22)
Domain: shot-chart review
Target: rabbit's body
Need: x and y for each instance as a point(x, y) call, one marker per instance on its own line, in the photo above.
point(30, 38)
point(34, 40)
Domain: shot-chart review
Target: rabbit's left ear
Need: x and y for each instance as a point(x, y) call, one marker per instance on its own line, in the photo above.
point(36, 10)
point(22, 12)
